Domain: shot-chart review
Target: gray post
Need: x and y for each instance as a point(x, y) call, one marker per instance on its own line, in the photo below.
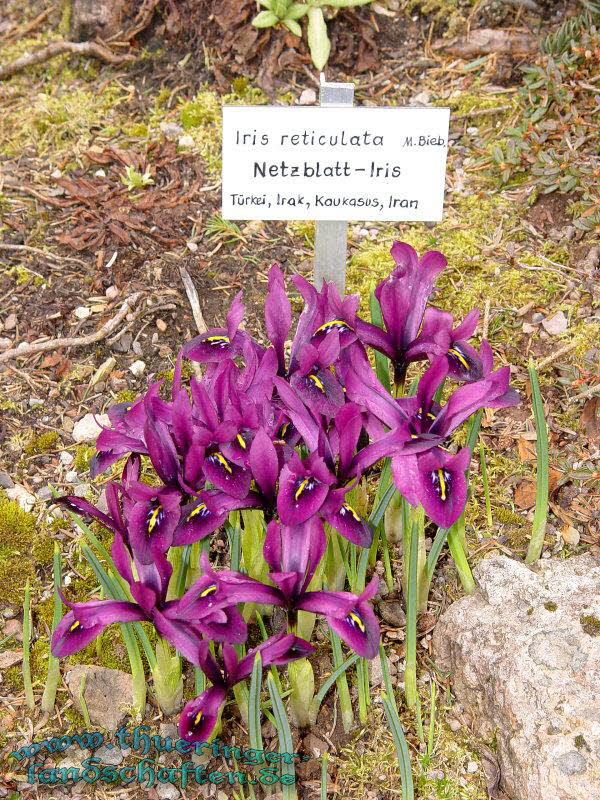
point(331, 237)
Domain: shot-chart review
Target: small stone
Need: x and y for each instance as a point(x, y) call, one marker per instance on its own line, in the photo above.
point(186, 140)
point(5, 343)
point(123, 343)
point(171, 129)
point(393, 613)
point(537, 317)
point(192, 247)
point(66, 458)
point(166, 791)
point(107, 693)
point(112, 293)
point(44, 493)
point(6, 482)
point(556, 324)
point(308, 97)
point(420, 99)
point(137, 368)
point(314, 746)
point(88, 427)
point(82, 490)
point(454, 724)
point(472, 767)
point(71, 476)
point(100, 173)
point(168, 729)
point(10, 322)
point(35, 402)
point(109, 754)
point(82, 312)
point(137, 348)
point(13, 628)
point(24, 498)
point(74, 760)
point(161, 325)
point(56, 173)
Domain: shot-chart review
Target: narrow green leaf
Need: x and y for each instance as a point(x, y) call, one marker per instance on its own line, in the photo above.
point(53, 676)
point(254, 728)
point(411, 545)
point(265, 19)
point(401, 745)
point(284, 735)
point(293, 26)
point(538, 531)
point(26, 647)
point(382, 364)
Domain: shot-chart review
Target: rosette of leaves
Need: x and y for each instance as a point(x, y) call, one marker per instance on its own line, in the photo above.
point(287, 13)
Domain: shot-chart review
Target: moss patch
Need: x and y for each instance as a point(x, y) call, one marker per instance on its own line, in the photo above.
point(17, 534)
point(590, 624)
point(44, 443)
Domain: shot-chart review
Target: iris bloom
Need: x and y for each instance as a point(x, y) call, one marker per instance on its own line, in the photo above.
point(293, 554)
point(200, 715)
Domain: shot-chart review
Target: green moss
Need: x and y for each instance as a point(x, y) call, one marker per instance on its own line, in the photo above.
point(590, 624)
point(581, 743)
point(43, 548)
point(17, 533)
point(44, 443)
point(550, 606)
point(83, 453)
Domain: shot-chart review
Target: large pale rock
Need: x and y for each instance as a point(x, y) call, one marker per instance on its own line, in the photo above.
point(107, 693)
point(524, 654)
point(89, 427)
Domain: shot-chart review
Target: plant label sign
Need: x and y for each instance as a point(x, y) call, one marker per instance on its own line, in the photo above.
point(328, 163)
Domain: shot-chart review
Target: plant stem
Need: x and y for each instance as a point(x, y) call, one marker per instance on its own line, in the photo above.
point(538, 531)
point(53, 676)
point(486, 486)
point(410, 671)
point(26, 648)
point(342, 683)
point(455, 545)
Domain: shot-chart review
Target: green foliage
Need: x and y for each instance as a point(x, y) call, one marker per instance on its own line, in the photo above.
point(134, 180)
point(44, 443)
point(287, 13)
point(552, 146)
point(17, 533)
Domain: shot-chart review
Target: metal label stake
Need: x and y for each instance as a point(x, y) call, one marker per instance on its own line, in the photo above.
point(331, 238)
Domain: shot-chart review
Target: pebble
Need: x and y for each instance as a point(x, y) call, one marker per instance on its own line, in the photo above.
point(123, 343)
point(6, 482)
point(112, 292)
point(10, 322)
point(5, 343)
point(472, 767)
point(44, 493)
point(71, 476)
point(186, 140)
point(137, 348)
point(82, 312)
point(35, 402)
point(161, 325)
point(171, 129)
point(24, 498)
point(454, 725)
point(166, 791)
point(82, 490)
point(537, 318)
point(192, 247)
point(137, 368)
point(109, 755)
point(308, 97)
point(66, 458)
point(88, 427)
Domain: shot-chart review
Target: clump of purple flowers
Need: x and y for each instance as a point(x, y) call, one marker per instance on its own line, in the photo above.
point(289, 431)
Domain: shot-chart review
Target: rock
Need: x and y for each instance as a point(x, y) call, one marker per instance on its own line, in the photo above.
point(5, 342)
point(6, 482)
point(13, 628)
point(87, 428)
point(66, 458)
point(187, 140)
point(9, 658)
point(171, 129)
point(82, 312)
point(82, 490)
point(556, 324)
point(524, 653)
point(24, 498)
point(420, 99)
point(314, 746)
point(107, 693)
point(10, 322)
point(109, 754)
point(112, 293)
point(393, 613)
point(71, 476)
point(74, 760)
point(166, 791)
point(308, 97)
point(45, 493)
point(123, 343)
point(137, 368)
point(376, 672)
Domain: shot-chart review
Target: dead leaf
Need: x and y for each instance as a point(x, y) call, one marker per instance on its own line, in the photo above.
point(590, 419)
point(526, 490)
point(10, 657)
point(526, 449)
point(488, 40)
point(570, 535)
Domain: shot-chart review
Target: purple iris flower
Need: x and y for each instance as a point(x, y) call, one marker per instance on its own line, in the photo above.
point(402, 298)
point(293, 554)
point(202, 611)
point(220, 343)
point(200, 715)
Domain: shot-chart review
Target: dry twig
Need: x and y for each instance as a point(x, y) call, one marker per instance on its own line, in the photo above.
point(74, 341)
point(60, 48)
point(192, 296)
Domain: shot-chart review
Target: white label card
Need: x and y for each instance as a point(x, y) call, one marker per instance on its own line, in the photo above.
point(328, 163)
